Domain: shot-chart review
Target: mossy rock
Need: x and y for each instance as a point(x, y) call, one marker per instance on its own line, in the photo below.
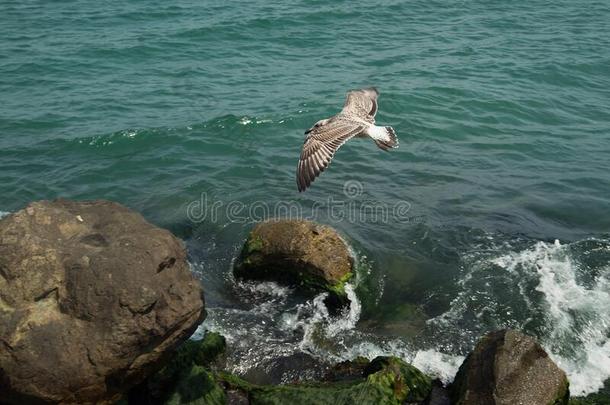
point(389, 381)
point(385, 380)
point(301, 253)
point(191, 361)
point(348, 370)
point(197, 386)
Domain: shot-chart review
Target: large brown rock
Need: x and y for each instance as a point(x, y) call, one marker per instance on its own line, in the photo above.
point(92, 297)
point(507, 367)
point(300, 253)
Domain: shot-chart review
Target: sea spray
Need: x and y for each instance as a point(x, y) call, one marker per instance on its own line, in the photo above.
point(577, 315)
point(440, 365)
point(323, 329)
point(541, 289)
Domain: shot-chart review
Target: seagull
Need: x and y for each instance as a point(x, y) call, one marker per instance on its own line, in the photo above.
point(357, 119)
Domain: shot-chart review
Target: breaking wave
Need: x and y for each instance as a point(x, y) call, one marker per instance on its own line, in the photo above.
point(559, 293)
point(576, 307)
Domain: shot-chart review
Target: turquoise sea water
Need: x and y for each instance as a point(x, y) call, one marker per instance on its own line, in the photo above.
point(503, 174)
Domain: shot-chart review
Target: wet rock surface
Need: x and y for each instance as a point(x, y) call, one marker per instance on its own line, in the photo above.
point(507, 367)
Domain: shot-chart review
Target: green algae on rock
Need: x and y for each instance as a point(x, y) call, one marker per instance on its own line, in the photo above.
point(300, 253)
point(348, 370)
point(197, 386)
point(387, 380)
point(187, 377)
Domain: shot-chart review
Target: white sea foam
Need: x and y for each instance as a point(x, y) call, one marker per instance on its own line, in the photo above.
point(267, 298)
point(319, 325)
point(348, 320)
point(3, 214)
point(431, 362)
point(441, 365)
point(578, 314)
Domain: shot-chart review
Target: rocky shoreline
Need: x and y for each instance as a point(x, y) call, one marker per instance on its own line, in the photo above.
point(506, 367)
point(97, 305)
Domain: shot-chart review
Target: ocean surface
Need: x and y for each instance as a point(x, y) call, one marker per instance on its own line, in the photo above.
point(494, 212)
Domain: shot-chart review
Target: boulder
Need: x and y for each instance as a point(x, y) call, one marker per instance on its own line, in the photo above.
point(92, 300)
point(300, 253)
point(507, 367)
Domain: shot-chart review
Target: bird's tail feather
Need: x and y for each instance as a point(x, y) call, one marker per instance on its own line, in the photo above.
point(389, 141)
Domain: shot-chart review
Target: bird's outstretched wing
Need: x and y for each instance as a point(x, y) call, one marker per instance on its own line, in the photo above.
point(362, 104)
point(320, 147)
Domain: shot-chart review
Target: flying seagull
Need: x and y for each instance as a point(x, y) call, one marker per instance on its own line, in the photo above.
point(357, 119)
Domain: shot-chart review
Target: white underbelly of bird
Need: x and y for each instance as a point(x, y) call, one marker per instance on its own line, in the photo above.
point(357, 119)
